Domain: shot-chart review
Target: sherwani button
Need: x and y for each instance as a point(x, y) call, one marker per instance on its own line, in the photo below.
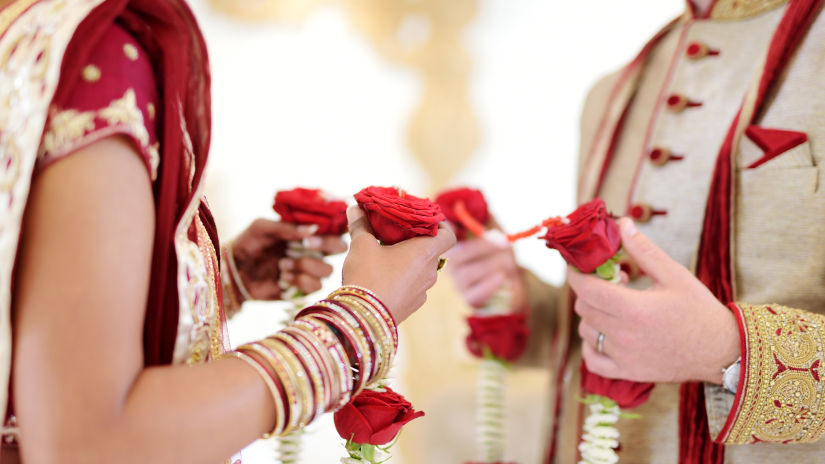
point(643, 212)
point(698, 50)
point(678, 102)
point(660, 156)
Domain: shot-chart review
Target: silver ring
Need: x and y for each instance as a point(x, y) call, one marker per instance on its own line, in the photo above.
point(600, 343)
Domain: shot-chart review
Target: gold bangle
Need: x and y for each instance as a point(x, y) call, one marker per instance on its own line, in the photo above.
point(270, 384)
point(301, 394)
point(283, 374)
point(330, 366)
point(236, 276)
point(311, 375)
point(336, 350)
point(381, 337)
point(322, 387)
point(340, 318)
point(375, 302)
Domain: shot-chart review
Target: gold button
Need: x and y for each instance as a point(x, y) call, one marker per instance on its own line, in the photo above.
point(150, 109)
point(130, 51)
point(91, 73)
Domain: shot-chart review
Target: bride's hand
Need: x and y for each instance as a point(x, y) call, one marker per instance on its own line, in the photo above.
point(262, 261)
point(399, 274)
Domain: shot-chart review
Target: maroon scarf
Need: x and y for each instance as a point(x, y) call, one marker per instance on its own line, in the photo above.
point(168, 32)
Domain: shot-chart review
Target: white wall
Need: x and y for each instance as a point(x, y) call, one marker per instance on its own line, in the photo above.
point(313, 105)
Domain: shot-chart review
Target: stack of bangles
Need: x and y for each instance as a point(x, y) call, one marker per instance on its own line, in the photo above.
point(327, 355)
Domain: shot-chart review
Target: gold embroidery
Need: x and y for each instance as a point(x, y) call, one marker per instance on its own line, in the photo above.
point(65, 127)
point(33, 39)
point(91, 73)
point(783, 388)
point(130, 51)
point(126, 112)
point(69, 129)
point(741, 9)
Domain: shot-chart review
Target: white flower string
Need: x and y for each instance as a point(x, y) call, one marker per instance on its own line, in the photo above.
point(289, 447)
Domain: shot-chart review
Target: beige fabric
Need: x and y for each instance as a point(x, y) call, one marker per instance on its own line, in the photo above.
point(779, 207)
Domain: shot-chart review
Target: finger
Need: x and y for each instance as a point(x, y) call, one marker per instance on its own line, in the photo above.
point(264, 290)
point(601, 294)
point(358, 224)
point(471, 273)
point(444, 239)
point(590, 335)
point(471, 250)
point(311, 266)
point(599, 363)
point(651, 259)
point(325, 244)
point(283, 230)
point(478, 295)
point(307, 283)
point(594, 316)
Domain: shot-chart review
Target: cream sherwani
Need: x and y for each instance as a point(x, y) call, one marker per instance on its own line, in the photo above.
point(689, 90)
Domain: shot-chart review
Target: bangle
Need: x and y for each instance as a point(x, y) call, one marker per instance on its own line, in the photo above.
point(383, 342)
point(283, 374)
point(300, 382)
point(375, 303)
point(355, 338)
point(335, 349)
point(236, 276)
point(277, 394)
point(310, 367)
point(321, 377)
point(329, 365)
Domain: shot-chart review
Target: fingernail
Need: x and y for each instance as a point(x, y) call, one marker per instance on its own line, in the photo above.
point(353, 213)
point(308, 230)
point(286, 264)
point(629, 227)
point(312, 242)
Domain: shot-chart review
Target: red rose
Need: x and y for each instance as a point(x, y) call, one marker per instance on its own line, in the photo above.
point(474, 203)
point(589, 239)
point(505, 336)
point(373, 417)
point(625, 393)
point(310, 206)
point(396, 216)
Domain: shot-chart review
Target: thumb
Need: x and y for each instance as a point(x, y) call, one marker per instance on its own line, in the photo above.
point(358, 224)
point(650, 258)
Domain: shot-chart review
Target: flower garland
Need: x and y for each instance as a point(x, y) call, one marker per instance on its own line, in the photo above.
point(304, 207)
point(371, 422)
point(588, 239)
point(497, 335)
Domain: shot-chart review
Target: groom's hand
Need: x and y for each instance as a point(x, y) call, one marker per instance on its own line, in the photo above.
point(673, 331)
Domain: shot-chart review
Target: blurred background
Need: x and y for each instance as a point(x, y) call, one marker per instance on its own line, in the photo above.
point(422, 94)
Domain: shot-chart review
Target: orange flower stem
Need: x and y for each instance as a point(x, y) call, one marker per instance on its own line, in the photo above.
point(467, 220)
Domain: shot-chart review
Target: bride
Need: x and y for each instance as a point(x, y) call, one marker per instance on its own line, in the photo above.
point(115, 290)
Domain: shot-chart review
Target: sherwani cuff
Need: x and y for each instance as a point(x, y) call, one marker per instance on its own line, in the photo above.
point(780, 390)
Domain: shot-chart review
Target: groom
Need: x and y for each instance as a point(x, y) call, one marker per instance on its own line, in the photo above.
point(708, 142)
